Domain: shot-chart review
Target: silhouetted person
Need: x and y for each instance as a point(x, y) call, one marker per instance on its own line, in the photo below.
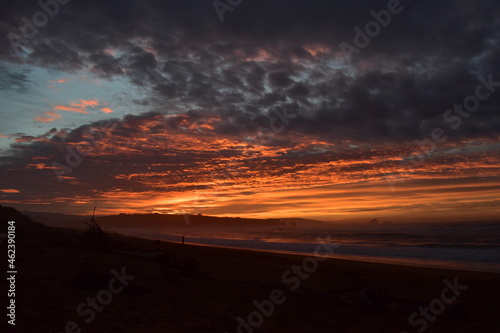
point(183, 239)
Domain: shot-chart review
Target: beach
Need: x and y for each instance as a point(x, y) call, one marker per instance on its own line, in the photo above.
point(209, 289)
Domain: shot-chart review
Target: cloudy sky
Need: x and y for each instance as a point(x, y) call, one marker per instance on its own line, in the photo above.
point(321, 109)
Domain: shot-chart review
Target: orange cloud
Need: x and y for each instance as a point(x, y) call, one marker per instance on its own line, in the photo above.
point(44, 119)
point(303, 178)
point(48, 117)
point(262, 55)
point(70, 109)
point(314, 50)
point(9, 191)
point(79, 107)
point(40, 166)
point(3, 136)
point(238, 185)
point(53, 114)
point(59, 81)
point(107, 110)
point(85, 104)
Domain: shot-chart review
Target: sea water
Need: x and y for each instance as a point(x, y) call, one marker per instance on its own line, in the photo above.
point(472, 246)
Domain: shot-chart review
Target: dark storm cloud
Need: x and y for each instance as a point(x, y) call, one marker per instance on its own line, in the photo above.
point(176, 26)
point(14, 79)
point(395, 90)
point(279, 79)
point(105, 65)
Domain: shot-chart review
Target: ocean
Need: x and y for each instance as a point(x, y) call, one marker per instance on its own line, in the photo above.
point(472, 246)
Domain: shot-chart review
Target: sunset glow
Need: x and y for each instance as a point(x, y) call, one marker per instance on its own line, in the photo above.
point(174, 118)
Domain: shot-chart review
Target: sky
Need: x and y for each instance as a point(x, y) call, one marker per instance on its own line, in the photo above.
point(330, 110)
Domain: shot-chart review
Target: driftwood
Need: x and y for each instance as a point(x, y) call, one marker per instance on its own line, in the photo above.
point(95, 238)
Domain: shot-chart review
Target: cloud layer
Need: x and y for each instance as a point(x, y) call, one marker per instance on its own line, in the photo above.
point(264, 100)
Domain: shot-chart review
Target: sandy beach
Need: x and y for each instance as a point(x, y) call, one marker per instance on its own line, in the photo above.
point(208, 289)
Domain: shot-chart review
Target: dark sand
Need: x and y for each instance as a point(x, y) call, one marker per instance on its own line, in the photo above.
point(166, 298)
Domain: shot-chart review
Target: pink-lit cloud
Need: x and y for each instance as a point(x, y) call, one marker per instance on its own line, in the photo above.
point(85, 104)
point(48, 117)
point(59, 81)
point(69, 109)
point(107, 110)
point(80, 106)
point(10, 191)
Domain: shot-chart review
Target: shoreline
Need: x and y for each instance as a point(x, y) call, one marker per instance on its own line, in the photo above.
point(480, 267)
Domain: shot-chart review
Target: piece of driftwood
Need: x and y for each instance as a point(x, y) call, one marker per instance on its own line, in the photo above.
point(95, 238)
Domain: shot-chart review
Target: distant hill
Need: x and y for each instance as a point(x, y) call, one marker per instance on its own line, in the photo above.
point(180, 221)
point(129, 221)
point(304, 223)
point(11, 214)
point(124, 221)
point(23, 223)
point(58, 219)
